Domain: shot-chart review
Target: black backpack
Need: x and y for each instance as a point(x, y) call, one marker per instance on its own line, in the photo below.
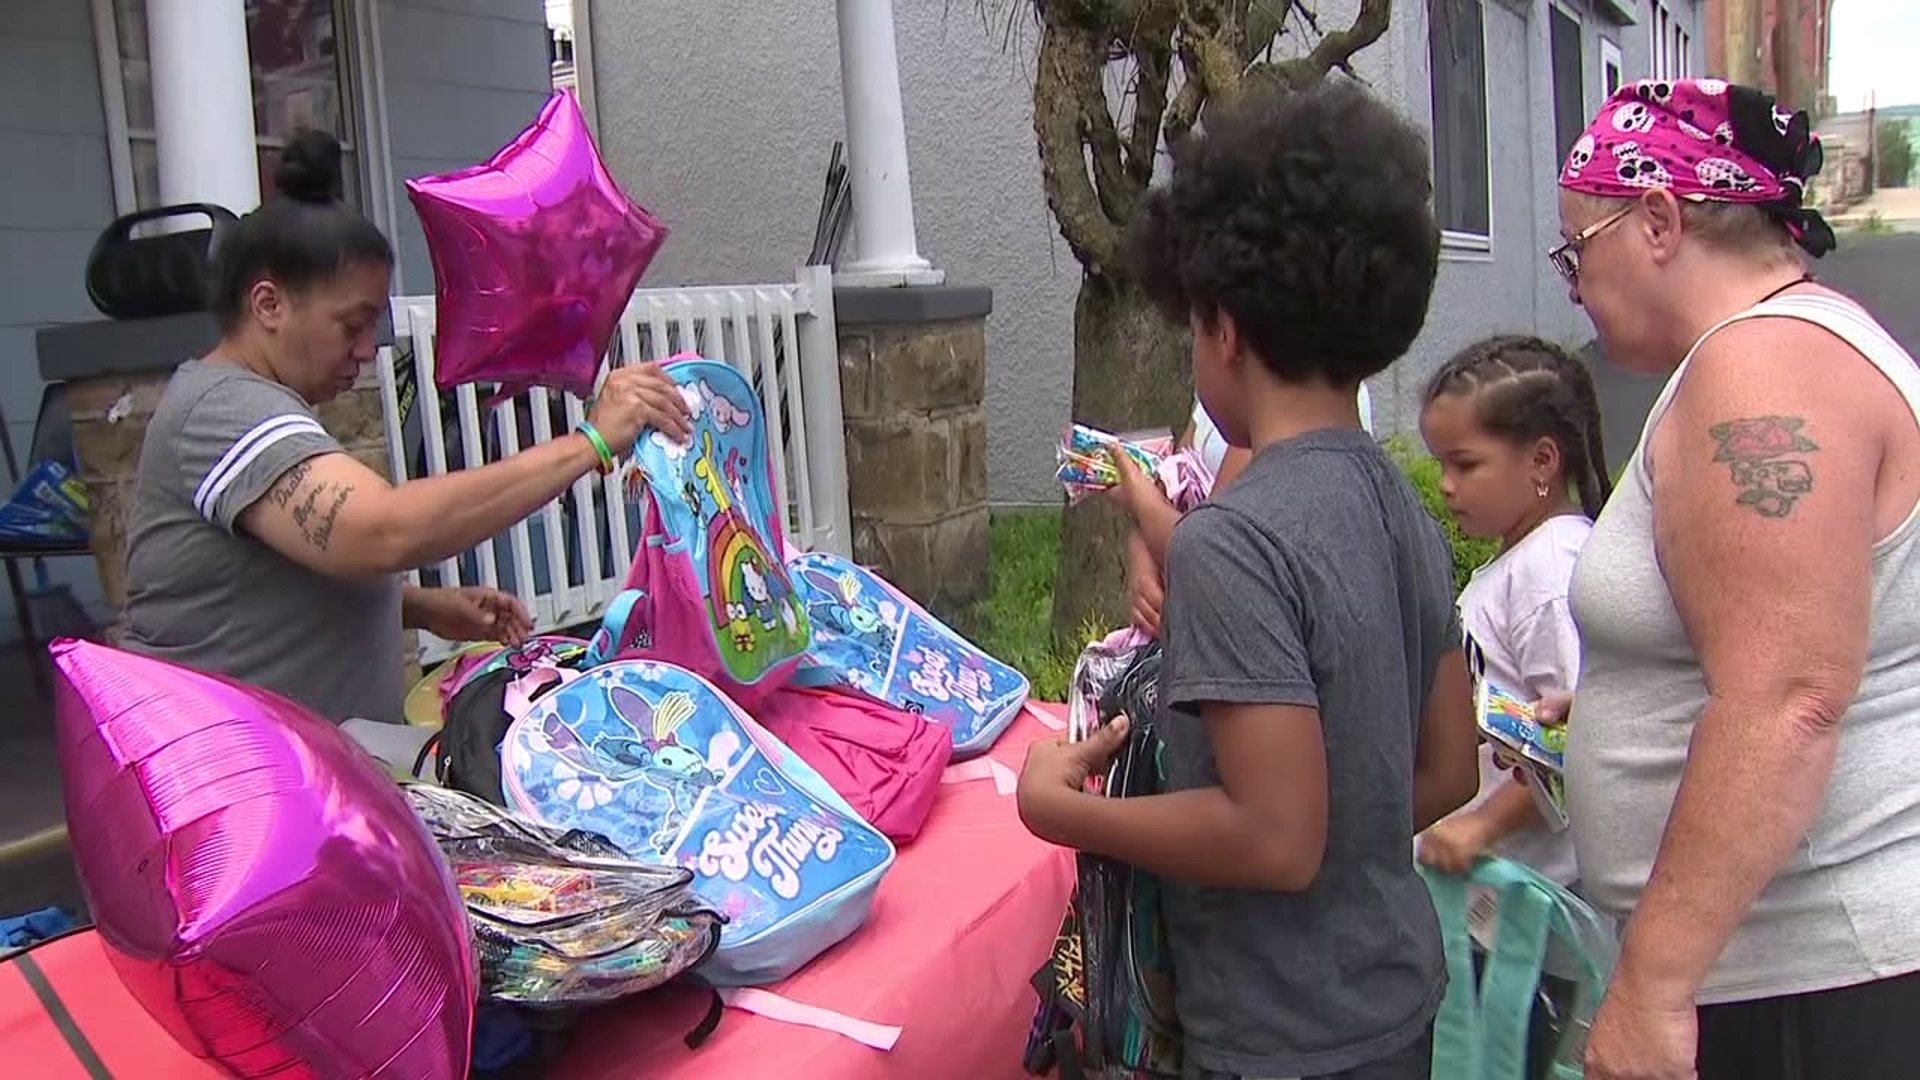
point(466, 751)
point(1106, 992)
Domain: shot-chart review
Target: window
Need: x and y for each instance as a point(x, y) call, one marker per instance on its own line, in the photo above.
point(1609, 68)
point(300, 80)
point(1456, 47)
point(1667, 58)
point(1569, 80)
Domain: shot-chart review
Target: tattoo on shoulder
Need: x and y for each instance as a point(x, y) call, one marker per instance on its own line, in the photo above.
point(1767, 456)
point(314, 508)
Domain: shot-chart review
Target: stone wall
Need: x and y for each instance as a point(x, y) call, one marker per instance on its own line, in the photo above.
point(110, 415)
point(914, 400)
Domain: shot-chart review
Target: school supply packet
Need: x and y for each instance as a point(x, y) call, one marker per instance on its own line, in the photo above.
point(1510, 723)
point(1086, 457)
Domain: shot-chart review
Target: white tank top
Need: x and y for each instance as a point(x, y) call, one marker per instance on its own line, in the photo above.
point(1845, 906)
point(1212, 446)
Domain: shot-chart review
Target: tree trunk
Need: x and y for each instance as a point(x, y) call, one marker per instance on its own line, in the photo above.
point(1130, 371)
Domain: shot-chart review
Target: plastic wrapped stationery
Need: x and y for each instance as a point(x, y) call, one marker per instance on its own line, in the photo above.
point(559, 917)
point(1086, 457)
point(1510, 722)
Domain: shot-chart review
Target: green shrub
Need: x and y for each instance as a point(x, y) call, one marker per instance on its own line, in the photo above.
point(1469, 552)
point(1014, 622)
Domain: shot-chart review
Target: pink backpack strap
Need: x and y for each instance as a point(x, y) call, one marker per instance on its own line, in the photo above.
point(522, 691)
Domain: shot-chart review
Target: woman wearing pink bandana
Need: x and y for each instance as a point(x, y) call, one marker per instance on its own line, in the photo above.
point(1744, 750)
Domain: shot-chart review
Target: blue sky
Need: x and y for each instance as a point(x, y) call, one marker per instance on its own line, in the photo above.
point(1875, 43)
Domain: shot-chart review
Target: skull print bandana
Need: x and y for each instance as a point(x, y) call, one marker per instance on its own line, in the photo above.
point(1704, 140)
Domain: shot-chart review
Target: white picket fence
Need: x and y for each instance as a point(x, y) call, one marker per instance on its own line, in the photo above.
point(571, 557)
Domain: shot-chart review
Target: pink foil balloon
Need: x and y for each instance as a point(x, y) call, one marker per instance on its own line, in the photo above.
point(535, 254)
point(262, 888)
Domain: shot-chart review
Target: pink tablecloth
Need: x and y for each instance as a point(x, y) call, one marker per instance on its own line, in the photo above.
point(959, 925)
point(961, 922)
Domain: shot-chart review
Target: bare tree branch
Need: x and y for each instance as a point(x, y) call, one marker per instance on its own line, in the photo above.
point(1335, 50)
point(1059, 125)
point(1211, 44)
point(1153, 60)
point(1087, 70)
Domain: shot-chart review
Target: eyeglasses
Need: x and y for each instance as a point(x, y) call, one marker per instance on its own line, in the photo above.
point(1566, 257)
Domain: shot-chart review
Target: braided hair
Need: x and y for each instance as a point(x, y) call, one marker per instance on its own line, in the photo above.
point(1524, 388)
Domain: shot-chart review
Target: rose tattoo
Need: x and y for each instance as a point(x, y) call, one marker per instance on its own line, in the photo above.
point(1760, 451)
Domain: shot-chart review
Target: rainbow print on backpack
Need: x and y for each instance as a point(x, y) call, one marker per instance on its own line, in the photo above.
point(871, 639)
point(707, 589)
point(663, 764)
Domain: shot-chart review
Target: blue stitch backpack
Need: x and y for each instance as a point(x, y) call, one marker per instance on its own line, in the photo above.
point(869, 638)
point(708, 590)
point(666, 767)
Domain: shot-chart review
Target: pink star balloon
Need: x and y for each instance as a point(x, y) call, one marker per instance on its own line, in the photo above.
point(535, 254)
point(261, 887)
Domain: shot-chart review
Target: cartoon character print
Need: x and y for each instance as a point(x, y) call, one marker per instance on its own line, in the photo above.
point(1580, 156)
point(538, 651)
point(1711, 87)
point(1636, 169)
point(588, 772)
point(1721, 174)
point(834, 605)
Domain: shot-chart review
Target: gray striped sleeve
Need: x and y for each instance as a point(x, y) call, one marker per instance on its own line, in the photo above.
point(239, 438)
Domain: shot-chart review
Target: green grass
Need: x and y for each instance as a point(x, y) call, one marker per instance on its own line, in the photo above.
point(1015, 622)
point(1873, 225)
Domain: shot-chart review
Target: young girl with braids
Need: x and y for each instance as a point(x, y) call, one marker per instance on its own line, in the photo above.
point(1515, 424)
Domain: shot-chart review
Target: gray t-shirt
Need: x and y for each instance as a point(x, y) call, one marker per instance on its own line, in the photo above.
point(1315, 579)
point(203, 593)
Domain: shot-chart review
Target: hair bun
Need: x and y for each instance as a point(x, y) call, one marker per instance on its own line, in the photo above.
point(309, 169)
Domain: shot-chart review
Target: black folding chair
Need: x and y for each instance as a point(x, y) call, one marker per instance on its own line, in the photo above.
point(52, 441)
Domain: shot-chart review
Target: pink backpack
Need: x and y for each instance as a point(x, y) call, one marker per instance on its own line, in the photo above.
point(708, 590)
point(885, 762)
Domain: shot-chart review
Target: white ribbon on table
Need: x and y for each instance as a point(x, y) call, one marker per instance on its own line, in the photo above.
point(788, 1011)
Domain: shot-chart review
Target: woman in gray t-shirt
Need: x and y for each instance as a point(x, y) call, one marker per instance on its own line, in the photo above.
point(257, 547)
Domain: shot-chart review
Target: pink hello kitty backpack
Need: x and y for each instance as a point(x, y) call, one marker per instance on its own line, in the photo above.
point(708, 590)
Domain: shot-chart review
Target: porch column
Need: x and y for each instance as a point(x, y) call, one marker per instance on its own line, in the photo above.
point(885, 250)
point(203, 102)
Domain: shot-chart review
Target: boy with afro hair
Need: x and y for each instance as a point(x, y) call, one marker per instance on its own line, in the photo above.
point(1316, 706)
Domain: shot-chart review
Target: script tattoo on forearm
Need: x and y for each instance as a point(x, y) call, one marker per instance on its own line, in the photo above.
point(1767, 457)
point(314, 508)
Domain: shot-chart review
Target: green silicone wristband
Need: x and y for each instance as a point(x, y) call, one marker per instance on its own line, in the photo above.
point(599, 445)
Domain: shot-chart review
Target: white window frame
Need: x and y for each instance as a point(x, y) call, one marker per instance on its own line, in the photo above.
point(583, 88)
point(1566, 8)
point(1455, 245)
point(362, 90)
point(1670, 42)
point(1610, 58)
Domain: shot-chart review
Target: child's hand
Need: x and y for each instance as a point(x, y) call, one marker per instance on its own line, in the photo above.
point(1056, 768)
point(1551, 711)
point(1451, 846)
point(1146, 593)
point(1135, 490)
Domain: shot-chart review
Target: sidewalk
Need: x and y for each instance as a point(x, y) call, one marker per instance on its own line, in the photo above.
point(1897, 207)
